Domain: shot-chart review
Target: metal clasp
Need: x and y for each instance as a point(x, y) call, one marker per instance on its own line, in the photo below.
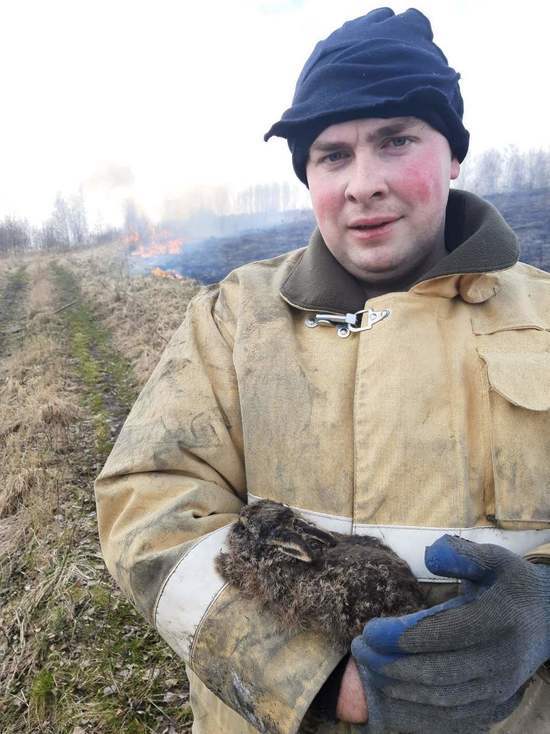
point(373, 317)
point(347, 323)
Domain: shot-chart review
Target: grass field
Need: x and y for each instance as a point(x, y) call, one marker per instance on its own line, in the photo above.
point(78, 338)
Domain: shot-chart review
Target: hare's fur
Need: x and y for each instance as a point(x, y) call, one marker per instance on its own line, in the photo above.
point(312, 579)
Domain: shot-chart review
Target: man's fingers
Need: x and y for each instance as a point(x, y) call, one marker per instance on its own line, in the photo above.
point(369, 657)
point(490, 690)
point(384, 634)
point(449, 668)
point(472, 718)
point(455, 557)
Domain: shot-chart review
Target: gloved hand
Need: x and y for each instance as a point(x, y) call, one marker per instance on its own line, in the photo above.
point(462, 665)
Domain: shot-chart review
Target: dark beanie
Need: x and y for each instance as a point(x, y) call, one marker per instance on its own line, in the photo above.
point(379, 65)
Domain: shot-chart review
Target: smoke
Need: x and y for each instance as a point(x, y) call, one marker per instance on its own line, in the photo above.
point(110, 176)
point(220, 201)
point(182, 205)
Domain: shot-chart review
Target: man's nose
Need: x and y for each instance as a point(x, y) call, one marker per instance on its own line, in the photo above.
point(367, 178)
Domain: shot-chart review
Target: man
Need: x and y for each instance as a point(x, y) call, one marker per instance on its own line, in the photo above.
point(392, 379)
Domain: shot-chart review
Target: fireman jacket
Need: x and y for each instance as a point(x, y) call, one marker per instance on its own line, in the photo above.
point(404, 416)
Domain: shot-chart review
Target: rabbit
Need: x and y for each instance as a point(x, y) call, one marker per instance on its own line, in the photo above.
point(312, 579)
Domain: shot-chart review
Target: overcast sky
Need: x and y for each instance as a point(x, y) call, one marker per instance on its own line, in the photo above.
point(153, 98)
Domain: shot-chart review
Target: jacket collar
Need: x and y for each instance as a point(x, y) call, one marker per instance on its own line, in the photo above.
point(478, 240)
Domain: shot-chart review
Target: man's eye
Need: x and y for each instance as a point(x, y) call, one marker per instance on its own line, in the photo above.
point(400, 142)
point(334, 157)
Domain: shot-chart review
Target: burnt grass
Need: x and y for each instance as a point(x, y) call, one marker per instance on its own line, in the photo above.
point(210, 260)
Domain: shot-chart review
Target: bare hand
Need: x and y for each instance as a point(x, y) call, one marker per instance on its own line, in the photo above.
point(352, 704)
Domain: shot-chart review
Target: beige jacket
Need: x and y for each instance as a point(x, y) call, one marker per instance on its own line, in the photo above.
point(432, 417)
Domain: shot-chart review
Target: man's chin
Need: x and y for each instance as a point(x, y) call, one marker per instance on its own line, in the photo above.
point(377, 275)
point(387, 279)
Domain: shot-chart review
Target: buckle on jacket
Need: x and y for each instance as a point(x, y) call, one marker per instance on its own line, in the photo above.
point(348, 323)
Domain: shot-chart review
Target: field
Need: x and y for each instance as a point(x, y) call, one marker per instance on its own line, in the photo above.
point(78, 338)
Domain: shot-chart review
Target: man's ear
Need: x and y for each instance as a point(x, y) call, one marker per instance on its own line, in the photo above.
point(455, 168)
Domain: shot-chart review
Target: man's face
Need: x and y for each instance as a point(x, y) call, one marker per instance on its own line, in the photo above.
point(379, 189)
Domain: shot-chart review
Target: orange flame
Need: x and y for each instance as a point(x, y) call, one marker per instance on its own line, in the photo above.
point(160, 273)
point(131, 238)
point(172, 247)
point(161, 244)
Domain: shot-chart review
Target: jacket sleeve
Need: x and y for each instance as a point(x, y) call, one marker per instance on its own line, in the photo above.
point(540, 554)
point(167, 495)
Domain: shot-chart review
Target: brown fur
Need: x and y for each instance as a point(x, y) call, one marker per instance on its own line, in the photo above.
point(312, 579)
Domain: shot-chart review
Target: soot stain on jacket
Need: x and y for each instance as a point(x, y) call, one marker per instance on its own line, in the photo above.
point(171, 370)
point(200, 433)
point(145, 575)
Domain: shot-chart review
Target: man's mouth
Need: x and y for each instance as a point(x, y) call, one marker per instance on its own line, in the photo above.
point(372, 223)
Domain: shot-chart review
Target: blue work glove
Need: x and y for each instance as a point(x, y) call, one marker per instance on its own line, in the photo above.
point(460, 666)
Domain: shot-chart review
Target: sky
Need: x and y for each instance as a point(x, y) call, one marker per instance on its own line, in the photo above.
point(160, 99)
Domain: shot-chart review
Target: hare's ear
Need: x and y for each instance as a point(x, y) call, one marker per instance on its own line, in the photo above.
point(314, 532)
point(292, 545)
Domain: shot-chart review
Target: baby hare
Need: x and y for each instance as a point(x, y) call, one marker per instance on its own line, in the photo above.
point(313, 579)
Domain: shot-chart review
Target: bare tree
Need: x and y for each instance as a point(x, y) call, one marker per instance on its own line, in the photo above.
point(77, 220)
point(220, 204)
point(508, 170)
point(538, 169)
point(515, 170)
point(488, 172)
point(59, 222)
point(46, 236)
point(15, 235)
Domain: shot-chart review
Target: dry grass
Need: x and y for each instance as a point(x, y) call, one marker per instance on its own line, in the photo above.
point(74, 655)
point(140, 312)
point(41, 298)
point(34, 418)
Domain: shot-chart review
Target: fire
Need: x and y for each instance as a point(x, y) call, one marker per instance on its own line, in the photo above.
point(131, 238)
point(171, 247)
point(154, 243)
point(160, 273)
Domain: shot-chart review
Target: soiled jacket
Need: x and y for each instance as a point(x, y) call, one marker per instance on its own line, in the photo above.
point(428, 413)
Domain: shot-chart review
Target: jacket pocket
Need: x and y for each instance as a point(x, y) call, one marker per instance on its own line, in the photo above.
point(519, 404)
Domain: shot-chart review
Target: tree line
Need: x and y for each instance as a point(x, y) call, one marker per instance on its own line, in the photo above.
point(65, 228)
point(495, 171)
point(490, 172)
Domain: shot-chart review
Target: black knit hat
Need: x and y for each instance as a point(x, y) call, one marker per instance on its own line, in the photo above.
point(379, 65)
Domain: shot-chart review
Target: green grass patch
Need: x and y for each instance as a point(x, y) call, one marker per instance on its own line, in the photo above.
point(106, 659)
point(98, 665)
point(13, 286)
point(109, 387)
point(18, 278)
point(42, 695)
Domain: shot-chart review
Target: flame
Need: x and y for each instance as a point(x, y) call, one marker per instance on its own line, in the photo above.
point(131, 238)
point(160, 273)
point(161, 243)
point(172, 247)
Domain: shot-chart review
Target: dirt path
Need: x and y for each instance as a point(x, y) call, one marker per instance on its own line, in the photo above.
point(75, 657)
